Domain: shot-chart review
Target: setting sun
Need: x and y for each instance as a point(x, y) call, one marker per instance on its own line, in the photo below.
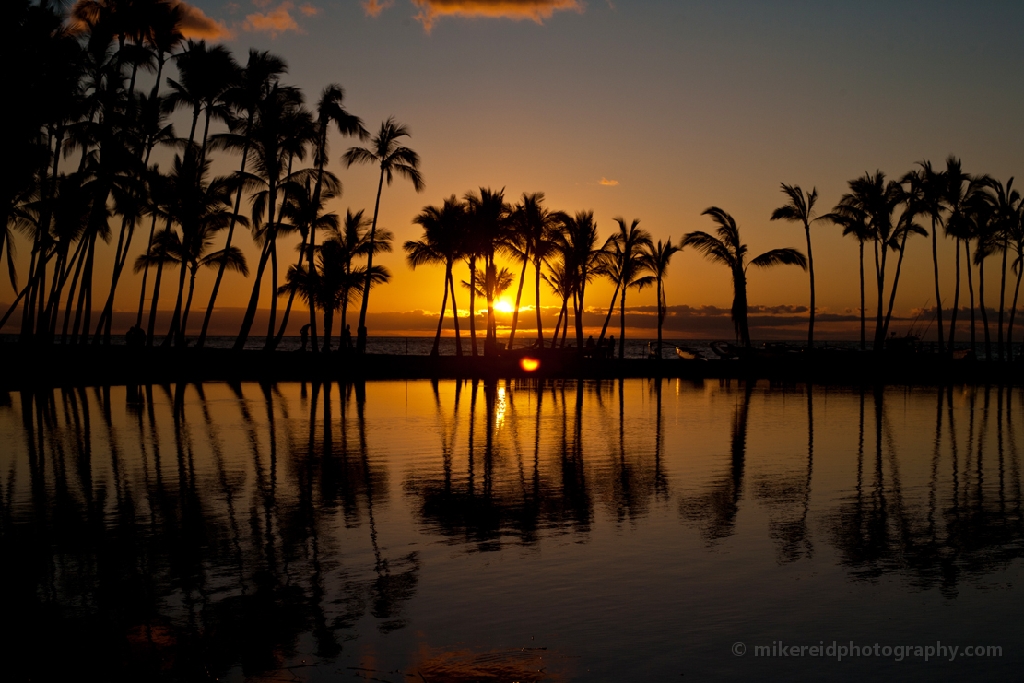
point(503, 306)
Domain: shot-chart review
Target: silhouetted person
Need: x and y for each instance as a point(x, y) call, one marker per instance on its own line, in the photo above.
point(304, 336)
point(589, 347)
point(346, 337)
point(135, 337)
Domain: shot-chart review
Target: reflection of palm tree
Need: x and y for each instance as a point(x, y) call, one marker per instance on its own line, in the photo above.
point(386, 152)
point(728, 250)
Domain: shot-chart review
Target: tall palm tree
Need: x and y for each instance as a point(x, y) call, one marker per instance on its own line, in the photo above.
point(531, 228)
point(986, 231)
point(577, 241)
point(959, 188)
point(256, 81)
point(487, 217)
point(800, 209)
point(278, 136)
point(1006, 204)
point(441, 243)
point(728, 250)
point(855, 222)
point(911, 199)
point(330, 110)
point(352, 240)
point(1016, 239)
point(933, 185)
point(385, 151)
point(657, 258)
point(631, 242)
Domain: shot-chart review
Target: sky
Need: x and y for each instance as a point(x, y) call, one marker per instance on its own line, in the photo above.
point(654, 110)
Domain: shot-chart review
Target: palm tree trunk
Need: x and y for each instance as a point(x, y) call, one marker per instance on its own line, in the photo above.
point(491, 341)
point(455, 314)
point(578, 318)
point(227, 245)
point(938, 297)
point(328, 324)
point(361, 338)
point(188, 307)
point(80, 251)
point(611, 309)
point(268, 342)
point(145, 273)
point(558, 323)
point(565, 320)
point(895, 284)
point(863, 309)
point(880, 282)
point(956, 300)
point(151, 326)
point(810, 268)
point(622, 322)
point(291, 300)
point(1002, 305)
point(739, 306)
point(472, 303)
point(435, 350)
point(250, 311)
point(1013, 314)
point(984, 313)
point(540, 326)
point(661, 314)
point(970, 289)
point(519, 297)
point(174, 333)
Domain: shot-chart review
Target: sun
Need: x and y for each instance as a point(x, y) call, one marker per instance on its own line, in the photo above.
point(503, 306)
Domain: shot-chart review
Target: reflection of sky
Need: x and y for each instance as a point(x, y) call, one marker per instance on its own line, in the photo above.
point(607, 527)
point(683, 104)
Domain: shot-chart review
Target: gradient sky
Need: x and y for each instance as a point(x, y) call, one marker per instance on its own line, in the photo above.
point(676, 106)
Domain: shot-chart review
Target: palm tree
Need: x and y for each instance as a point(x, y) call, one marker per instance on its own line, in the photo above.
point(159, 253)
point(329, 110)
point(352, 241)
point(255, 82)
point(531, 229)
point(631, 242)
point(205, 76)
point(933, 185)
point(386, 152)
point(911, 199)
point(441, 243)
point(278, 136)
point(1015, 229)
point(959, 188)
point(800, 208)
point(487, 229)
point(656, 259)
point(577, 241)
point(856, 223)
point(728, 250)
point(985, 229)
point(1006, 204)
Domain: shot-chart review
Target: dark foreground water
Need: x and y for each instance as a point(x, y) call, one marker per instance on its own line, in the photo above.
point(616, 531)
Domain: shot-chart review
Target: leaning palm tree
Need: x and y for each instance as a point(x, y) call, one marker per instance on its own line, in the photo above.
point(728, 250)
point(631, 242)
point(441, 243)
point(392, 158)
point(657, 258)
point(800, 209)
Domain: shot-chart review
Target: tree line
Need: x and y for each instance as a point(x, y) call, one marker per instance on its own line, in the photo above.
point(81, 173)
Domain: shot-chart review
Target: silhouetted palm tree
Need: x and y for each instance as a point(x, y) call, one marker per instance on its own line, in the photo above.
point(728, 250)
point(442, 240)
point(631, 242)
point(577, 240)
point(531, 229)
point(800, 209)
point(657, 258)
point(386, 152)
point(487, 227)
point(1006, 204)
point(933, 186)
point(255, 82)
point(959, 189)
point(855, 222)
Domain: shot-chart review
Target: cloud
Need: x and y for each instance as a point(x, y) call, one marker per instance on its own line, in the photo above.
point(194, 22)
point(373, 8)
point(309, 10)
point(277, 20)
point(608, 183)
point(535, 10)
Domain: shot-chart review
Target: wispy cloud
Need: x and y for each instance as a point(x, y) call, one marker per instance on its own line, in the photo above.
point(608, 183)
point(373, 8)
point(309, 10)
point(535, 10)
point(277, 20)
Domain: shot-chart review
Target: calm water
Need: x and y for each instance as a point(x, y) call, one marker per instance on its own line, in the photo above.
point(616, 531)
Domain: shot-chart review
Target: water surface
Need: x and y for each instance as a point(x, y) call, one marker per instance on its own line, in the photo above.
point(458, 531)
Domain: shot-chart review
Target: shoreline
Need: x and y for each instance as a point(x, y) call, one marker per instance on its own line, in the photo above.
point(57, 366)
